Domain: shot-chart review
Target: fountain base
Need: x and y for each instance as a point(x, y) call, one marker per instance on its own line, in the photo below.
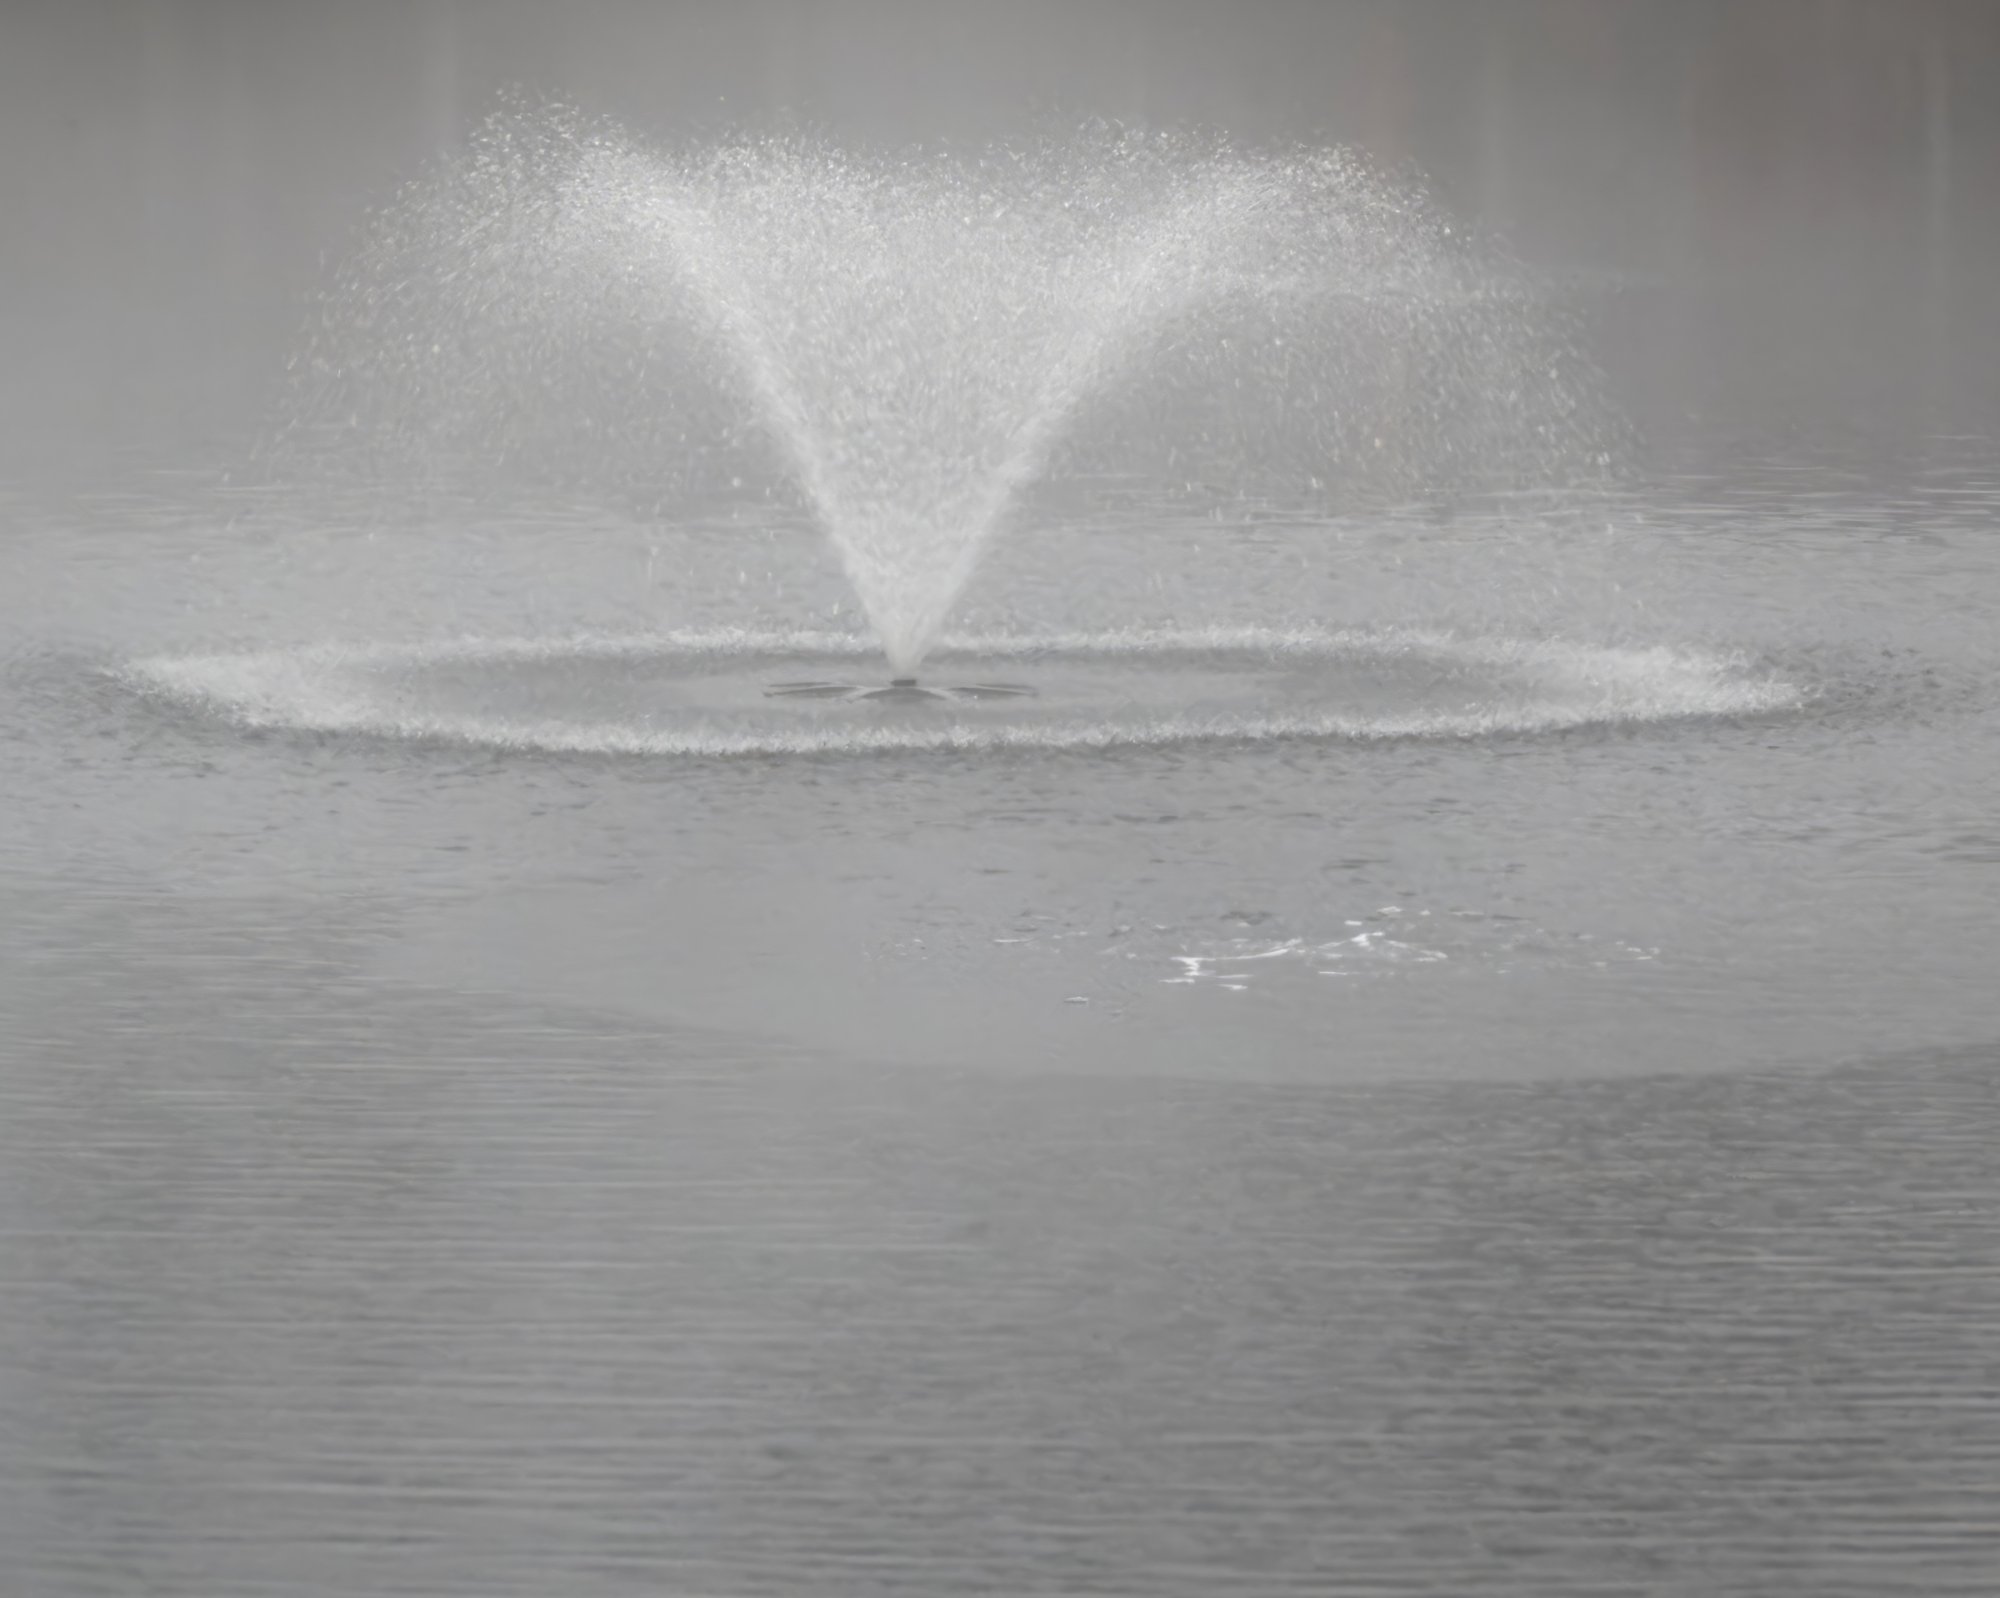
point(901, 690)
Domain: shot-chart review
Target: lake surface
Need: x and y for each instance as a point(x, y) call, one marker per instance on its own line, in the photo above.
point(1561, 1159)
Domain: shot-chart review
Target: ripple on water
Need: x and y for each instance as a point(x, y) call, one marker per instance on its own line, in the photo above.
point(419, 1293)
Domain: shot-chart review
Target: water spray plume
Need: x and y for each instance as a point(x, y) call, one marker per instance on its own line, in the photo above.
point(913, 340)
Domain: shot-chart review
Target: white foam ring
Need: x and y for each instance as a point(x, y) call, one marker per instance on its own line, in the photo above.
point(328, 688)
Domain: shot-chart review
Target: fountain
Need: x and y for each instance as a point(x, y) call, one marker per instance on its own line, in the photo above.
point(906, 344)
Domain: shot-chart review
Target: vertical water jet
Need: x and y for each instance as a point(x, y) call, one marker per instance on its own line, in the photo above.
point(911, 340)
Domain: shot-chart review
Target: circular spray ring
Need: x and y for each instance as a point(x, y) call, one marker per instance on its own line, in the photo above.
point(712, 694)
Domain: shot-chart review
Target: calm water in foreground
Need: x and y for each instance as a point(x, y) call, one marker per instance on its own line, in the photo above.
point(1548, 1162)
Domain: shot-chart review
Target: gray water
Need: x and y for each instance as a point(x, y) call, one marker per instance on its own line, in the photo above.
point(1546, 1162)
point(1526, 1153)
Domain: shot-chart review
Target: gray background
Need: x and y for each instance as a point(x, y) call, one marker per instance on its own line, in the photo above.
point(1821, 172)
